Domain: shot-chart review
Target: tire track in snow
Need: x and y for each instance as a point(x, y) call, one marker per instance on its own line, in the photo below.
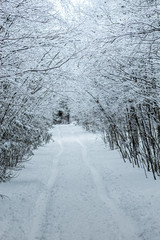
point(126, 228)
point(43, 199)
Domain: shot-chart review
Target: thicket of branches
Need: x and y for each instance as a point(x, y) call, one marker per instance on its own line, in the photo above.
point(31, 43)
point(122, 80)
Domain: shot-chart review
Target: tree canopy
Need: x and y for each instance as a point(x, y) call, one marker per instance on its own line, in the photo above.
point(99, 58)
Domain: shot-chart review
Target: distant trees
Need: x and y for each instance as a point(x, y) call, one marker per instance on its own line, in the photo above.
point(62, 115)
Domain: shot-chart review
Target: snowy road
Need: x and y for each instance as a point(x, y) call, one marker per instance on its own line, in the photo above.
point(76, 189)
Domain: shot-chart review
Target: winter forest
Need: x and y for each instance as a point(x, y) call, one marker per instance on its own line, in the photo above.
point(96, 61)
point(79, 119)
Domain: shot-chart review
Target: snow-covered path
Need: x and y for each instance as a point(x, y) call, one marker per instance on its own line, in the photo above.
point(76, 189)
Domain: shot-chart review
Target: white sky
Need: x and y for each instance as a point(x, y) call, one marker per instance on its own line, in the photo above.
point(69, 8)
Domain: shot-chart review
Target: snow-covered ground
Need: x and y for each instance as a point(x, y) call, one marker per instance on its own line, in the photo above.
point(76, 189)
